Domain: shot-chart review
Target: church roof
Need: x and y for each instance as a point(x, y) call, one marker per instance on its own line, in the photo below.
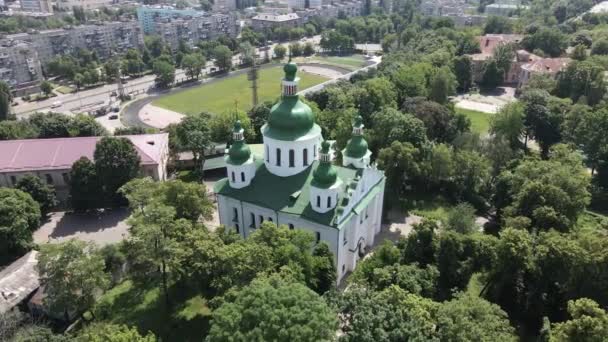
point(290, 195)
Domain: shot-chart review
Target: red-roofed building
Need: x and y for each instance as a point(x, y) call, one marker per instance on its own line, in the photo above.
point(488, 44)
point(550, 66)
point(51, 159)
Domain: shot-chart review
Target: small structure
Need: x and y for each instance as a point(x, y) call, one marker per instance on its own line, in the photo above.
point(272, 20)
point(549, 66)
point(18, 281)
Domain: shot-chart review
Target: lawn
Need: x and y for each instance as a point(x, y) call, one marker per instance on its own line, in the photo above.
point(221, 95)
point(433, 207)
point(65, 89)
point(188, 319)
point(352, 62)
point(480, 122)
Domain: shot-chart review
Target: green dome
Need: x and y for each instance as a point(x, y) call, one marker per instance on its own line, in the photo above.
point(325, 175)
point(356, 147)
point(290, 70)
point(239, 152)
point(290, 118)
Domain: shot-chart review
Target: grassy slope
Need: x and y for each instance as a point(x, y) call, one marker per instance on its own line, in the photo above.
point(480, 122)
point(221, 95)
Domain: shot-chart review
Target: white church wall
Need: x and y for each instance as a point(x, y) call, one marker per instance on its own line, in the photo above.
point(308, 143)
point(260, 215)
point(236, 174)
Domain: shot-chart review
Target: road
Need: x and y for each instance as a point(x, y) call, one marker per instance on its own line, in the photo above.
point(85, 99)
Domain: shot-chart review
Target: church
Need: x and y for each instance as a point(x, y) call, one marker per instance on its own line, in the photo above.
point(296, 184)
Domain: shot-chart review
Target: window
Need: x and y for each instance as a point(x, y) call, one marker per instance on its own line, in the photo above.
point(314, 151)
point(238, 229)
point(261, 219)
point(329, 201)
point(305, 157)
point(270, 219)
point(278, 157)
point(13, 180)
point(242, 176)
point(360, 218)
point(232, 176)
point(292, 158)
point(318, 201)
point(318, 236)
point(267, 154)
point(252, 220)
point(344, 240)
point(49, 178)
point(235, 214)
point(343, 268)
point(66, 177)
point(291, 226)
point(366, 213)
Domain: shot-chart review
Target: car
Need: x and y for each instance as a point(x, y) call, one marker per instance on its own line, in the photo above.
point(113, 117)
point(56, 104)
point(113, 93)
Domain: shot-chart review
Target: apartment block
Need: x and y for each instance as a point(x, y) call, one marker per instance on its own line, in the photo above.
point(67, 5)
point(148, 16)
point(105, 39)
point(36, 6)
point(192, 30)
point(20, 67)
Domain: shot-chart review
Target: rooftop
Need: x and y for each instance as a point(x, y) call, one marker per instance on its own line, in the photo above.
point(276, 17)
point(18, 281)
point(547, 65)
point(61, 153)
point(490, 42)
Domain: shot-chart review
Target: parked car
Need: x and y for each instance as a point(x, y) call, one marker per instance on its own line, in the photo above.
point(56, 104)
point(113, 117)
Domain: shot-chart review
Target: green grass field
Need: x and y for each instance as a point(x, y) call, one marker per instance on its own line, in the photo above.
point(220, 96)
point(352, 62)
point(480, 122)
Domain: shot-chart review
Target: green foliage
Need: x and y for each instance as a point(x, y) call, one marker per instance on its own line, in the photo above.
point(551, 41)
point(442, 85)
point(496, 24)
point(101, 332)
point(41, 192)
point(588, 323)
point(280, 51)
point(463, 70)
point(165, 73)
point(508, 123)
point(391, 126)
point(223, 57)
point(600, 47)
point(273, 309)
point(85, 186)
point(116, 163)
point(19, 218)
point(193, 134)
point(493, 75)
point(421, 244)
point(461, 219)
point(221, 126)
point(46, 87)
point(582, 81)
point(72, 273)
point(193, 63)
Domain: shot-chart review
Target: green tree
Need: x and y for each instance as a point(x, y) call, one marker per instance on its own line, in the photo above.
point(72, 273)
point(19, 218)
point(508, 123)
point(496, 24)
point(165, 73)
point(443, 84)
point(5, 100)
point(600, 47)
point(41, 192)
point(579, 53)
point(46, 87)
point(588, 322)
point(193, 134)
point(280, 51)
point(308, 49)
point(552, 42)
point(221, 125)
point(504, 55)
point(116, 163)
point(391, 125)
point(400, 164)
point(324, 269)
point(463, 70)
point(461, 219)
point(223, 58)
point(107, 332)
point(295, 49)
point(492, 74)
point(82, 125)
point(193, 64)
point(84, 186)
point(273, 309)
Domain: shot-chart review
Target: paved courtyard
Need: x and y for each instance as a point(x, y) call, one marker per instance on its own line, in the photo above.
point(487, 102)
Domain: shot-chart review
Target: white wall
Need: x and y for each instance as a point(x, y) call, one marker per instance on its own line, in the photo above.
point(309, 143)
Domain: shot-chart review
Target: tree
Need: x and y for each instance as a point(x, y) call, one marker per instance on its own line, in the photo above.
point(463, 70)
point(248, 53)
point(308, 49)
point(193, 133)
point(295, 49)
point(223, 57)
point(583, 127)
point(496, 24)
point(107, 332)
point(509, 123)
point(5, 100)
point(492, 74)
point(324, 270)
point(165, 73)
point(552, 42)
point(443, 85)
point(82, 125)
point(40, 192)
point(461, 219)
point(374, 95)
point(543, 117)
point(280, 51)
point(116, 163)
point(221, 126)
point(440, 122)
point(582, 81)
point(579, 53)
point(19, 218)
point(471, 318)
point(399, 162)
point(72, 273)
point(273, 309)
point(193, 63)
point(504, 55)
point(46, 87)
point(84, 185)
point(600, 47)
point(589, 322)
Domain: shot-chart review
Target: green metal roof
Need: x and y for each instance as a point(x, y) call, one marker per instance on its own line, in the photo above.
point(356, 147)
point(238, 153)
point(277, 193)
point(289, 119)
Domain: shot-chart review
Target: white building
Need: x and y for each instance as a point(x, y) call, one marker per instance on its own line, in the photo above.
point(68, 5)
point(296, 184)
point(36, 6)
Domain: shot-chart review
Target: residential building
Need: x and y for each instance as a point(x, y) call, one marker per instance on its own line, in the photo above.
point(52, 159)
point(488, 44)
point(36, 6)
point(18, 281)
point(540, 66)
point(20, 67)
point(273, 20)
point(504, 10)
point(296, 184)
point(302, 4)
point(68, 5)
point(105, 39)
point(224, 6)
point(192, 30)
point(149, 15)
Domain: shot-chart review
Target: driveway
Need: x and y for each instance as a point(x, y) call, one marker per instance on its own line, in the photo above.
point(105, 227)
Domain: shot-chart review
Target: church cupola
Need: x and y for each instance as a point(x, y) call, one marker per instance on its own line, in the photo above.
point(239, 162)
point(291, 136)
point(325, 184)
point(356, 152)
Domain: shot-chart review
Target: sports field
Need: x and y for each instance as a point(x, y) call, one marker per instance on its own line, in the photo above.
point(351, 62)
point(480, 122)
point(220, 96)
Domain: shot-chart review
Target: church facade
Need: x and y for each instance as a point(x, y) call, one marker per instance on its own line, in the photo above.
point(296, 184)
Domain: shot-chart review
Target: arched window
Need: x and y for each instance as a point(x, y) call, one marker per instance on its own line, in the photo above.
point(314, 151)
point(238, 229)
point(267, 154)
point(278, 157)
point(232, 176)
point(242, 176)
point(292, 158)
point(252, 225)
point(291, 226)
point(319, 201)
point(305, 157)
point(329, 201)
